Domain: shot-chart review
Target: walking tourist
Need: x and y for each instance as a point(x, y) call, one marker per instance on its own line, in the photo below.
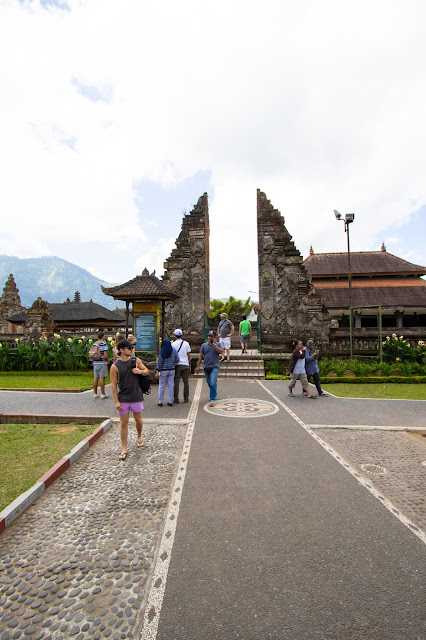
point(100, 367)
point(127, 392)
point(311, 364)
point(118, 337)
point(210, 351)
point(226, 329)
point(182, 368)
point(298, 371)
point(244, 333)
point(166, 363)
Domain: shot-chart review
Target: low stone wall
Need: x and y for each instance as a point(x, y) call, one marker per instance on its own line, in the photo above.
point(366, 341)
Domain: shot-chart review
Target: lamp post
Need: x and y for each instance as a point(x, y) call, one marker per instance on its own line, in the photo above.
point(349, 217)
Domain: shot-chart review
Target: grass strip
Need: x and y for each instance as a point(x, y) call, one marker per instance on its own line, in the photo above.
point(392, 391)
point(47, 380)
point(27, 451)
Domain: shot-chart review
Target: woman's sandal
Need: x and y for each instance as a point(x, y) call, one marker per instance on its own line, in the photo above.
point(141, 444)
point(122, 456)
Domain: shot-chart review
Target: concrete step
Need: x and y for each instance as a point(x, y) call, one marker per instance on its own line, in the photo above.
point(238, 370)
point(249, 365)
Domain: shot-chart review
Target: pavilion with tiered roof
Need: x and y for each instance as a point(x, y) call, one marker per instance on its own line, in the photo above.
point(148, 296)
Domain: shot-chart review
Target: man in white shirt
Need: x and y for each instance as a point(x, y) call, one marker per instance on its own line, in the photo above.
point(182, 369)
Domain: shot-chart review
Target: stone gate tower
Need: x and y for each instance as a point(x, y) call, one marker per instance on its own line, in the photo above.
point(290, 306)
point(187, 271)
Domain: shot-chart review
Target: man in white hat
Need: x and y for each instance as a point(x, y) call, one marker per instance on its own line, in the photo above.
point(182, 368)
point(225, 330)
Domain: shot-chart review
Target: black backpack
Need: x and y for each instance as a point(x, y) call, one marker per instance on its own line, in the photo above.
point(144, 381)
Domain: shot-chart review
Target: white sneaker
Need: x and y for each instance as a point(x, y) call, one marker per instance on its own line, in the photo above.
point(104, 396)
point(95, 395)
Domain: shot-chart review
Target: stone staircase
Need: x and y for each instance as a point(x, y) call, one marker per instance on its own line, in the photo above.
point(250, 365)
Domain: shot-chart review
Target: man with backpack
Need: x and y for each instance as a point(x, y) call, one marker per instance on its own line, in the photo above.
point(182, 368)
point(98, 353)
point(127, 392)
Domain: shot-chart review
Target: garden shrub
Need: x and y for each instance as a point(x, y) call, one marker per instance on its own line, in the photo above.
point(399, 350)
point(59, 354)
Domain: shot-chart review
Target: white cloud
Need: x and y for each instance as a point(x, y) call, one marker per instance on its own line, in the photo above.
point(321, 105)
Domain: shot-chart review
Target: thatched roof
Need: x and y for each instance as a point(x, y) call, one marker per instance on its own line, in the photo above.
point(75, 312)
point(142, 287)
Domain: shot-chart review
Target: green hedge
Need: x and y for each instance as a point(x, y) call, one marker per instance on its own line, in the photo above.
point(369, 380)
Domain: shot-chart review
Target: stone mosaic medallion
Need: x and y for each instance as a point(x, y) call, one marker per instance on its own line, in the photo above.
point(242, 408)
point(374, 469)
point(162, 459)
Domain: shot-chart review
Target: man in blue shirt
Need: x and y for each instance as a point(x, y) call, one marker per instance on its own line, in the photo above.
point(210, 351)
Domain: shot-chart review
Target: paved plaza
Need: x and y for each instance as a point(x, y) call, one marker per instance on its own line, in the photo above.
point(262, 517)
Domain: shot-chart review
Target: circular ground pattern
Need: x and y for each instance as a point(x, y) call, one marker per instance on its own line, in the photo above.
point(242, 408)
point(374, 469)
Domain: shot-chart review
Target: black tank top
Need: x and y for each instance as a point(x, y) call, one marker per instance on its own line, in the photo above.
point(128, 382)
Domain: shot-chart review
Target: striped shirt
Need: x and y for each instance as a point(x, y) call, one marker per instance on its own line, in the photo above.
point(103, 347)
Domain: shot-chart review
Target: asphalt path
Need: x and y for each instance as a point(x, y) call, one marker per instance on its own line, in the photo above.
point(322, 411)
point(352, 411)
point(275, 539)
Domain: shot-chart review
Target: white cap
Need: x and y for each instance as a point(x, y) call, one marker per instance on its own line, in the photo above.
point(177, 332)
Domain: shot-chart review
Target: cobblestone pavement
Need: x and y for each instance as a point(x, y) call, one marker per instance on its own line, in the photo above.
point(74, 565)
point(393, 461)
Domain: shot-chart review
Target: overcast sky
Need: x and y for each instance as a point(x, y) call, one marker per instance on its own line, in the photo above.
point(117, 115)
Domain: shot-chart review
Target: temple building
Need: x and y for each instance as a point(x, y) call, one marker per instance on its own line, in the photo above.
point(378, 279)
point(10, 304)
point(187, 273)
point(77, 317)
point(291, 307)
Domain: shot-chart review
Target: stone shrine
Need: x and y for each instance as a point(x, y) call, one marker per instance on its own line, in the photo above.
point(187, 272)
point(290, 306)
point(10, 304)
point(39, 321)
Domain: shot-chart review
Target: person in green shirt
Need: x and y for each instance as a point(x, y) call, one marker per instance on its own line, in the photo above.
point(244, 333)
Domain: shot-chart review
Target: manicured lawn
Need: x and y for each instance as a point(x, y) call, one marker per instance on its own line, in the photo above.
point(386, 391)
point(27, 451)
point(47, 380)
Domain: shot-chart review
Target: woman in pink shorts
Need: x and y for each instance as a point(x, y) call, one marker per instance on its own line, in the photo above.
point(126, 391)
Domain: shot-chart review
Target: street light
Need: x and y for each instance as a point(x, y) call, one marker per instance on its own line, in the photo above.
point(349, 217)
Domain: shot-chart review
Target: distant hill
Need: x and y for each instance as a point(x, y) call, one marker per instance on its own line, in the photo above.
point(53, 279)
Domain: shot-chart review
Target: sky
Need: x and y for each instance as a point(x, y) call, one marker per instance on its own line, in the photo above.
point(117, 116)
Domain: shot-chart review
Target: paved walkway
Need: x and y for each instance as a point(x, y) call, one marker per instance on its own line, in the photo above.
point(260, 518)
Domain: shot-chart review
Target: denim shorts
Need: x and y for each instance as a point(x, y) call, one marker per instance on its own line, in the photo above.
point(135, 407)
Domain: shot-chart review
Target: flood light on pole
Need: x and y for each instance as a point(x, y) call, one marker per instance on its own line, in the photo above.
point(348, 219)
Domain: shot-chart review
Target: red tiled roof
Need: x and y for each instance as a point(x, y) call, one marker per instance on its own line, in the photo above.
point(337, 297)
point(369, 283)
point(362, 263)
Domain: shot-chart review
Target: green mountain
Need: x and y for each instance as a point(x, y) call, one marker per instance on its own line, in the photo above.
point(53, 279)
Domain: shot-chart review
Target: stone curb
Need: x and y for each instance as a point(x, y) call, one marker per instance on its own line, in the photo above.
point(80, 390)
point(18, 506)
point(28, 418)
